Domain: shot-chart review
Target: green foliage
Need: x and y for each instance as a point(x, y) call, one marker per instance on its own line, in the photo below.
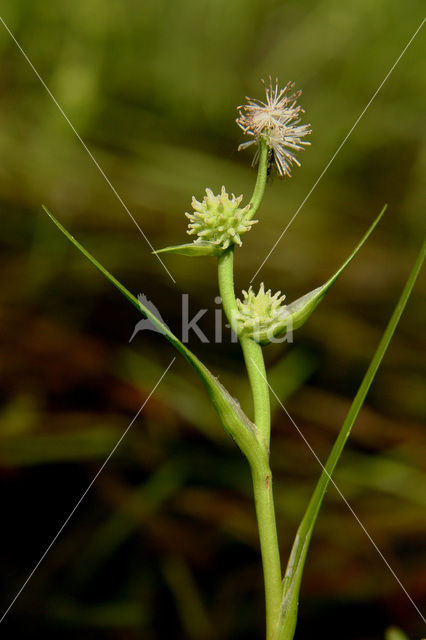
point(233, 419)
point(295, 314)
point(138, 87)
point(293, 574)
point(249, 439)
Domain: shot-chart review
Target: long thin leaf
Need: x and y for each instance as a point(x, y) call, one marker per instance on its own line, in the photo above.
point(295, 314)
point(291, 587)
point(233, 419)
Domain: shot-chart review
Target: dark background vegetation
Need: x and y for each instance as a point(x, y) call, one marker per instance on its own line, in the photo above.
point(165, 543)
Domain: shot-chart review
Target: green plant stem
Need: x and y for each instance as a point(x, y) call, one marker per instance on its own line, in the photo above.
point(262, 176)
point(255, 365)
point(265, 513)
point(252, 351)
point(260, 470)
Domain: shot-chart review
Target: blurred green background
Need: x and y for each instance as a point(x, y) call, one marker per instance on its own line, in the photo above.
point(165, 543)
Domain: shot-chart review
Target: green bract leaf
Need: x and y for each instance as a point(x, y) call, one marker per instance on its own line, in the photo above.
point(293, 576)
point(295, 314)
point(233, 419)
point(193, 249)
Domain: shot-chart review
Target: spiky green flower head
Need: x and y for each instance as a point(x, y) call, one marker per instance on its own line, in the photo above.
point(219, 219)
point(259, 312)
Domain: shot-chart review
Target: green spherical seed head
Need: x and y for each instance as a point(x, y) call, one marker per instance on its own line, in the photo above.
point(219, 219)
point(258, 312)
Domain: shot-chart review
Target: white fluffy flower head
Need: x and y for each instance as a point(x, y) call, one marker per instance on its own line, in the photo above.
point(276, 121)
point(219, 219)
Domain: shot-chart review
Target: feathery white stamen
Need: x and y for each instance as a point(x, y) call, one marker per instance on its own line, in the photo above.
point(277, 121)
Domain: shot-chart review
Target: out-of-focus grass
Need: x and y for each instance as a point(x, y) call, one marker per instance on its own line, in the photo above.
point(152, 89)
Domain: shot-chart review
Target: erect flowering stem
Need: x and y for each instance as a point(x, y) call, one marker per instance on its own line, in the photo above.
point(261, 472)
point(272, 575)
point(273, 126)
point(262, 176)
point(252, 351)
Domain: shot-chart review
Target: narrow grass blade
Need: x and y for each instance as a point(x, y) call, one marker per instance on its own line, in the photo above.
point(233, 419)
point(291, 587)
